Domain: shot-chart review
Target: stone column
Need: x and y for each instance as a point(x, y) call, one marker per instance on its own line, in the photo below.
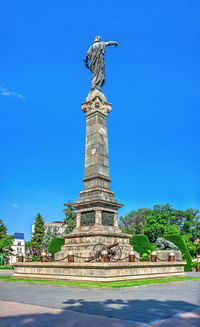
point(96, 196)
point(116, 220)
point(98, 217)
point(78, 220)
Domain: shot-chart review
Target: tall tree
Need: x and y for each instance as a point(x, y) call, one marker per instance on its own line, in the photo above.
point(38, 233)
point(70, 218)
point(3, 229)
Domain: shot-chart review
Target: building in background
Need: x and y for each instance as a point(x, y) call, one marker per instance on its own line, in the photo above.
point(54, 226)
point(18, 247)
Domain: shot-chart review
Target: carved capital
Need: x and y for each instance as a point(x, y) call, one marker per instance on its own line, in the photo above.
point(96, 101)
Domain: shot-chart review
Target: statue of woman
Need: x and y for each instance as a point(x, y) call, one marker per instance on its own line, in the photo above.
point(96, 55)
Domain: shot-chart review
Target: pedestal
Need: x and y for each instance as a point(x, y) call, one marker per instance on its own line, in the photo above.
point(97, 207)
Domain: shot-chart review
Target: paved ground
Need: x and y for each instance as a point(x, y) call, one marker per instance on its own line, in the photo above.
point(135, 306)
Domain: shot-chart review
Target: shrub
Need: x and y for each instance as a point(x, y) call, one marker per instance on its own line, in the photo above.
point(141, 244)
point(6, 267)
point(178, 241)
point(55, 245)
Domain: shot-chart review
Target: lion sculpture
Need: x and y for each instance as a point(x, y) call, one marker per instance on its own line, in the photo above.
point(164, 244)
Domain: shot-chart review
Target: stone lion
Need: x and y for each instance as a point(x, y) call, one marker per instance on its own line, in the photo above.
point(164, 244)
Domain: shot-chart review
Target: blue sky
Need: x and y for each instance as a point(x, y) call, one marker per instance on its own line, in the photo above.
point(152, 81)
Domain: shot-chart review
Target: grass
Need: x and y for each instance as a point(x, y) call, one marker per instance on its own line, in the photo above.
point(98, 284)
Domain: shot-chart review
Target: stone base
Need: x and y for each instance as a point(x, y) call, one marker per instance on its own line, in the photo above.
point(82, 244)
point(98, 272)
point(164, 254)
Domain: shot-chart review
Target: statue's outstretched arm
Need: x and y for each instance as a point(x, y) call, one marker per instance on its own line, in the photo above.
point(112, 43)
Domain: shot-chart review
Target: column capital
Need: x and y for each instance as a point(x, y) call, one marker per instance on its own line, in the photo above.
point(96, 102)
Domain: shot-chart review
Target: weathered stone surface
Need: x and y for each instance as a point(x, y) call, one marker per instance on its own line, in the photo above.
point(98, 271)
point(82, 244)
point(164, 254)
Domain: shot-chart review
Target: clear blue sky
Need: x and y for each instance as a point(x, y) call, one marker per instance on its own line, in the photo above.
point(153, 82)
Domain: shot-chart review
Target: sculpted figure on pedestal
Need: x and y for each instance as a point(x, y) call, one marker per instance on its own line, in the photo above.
point(94, 61)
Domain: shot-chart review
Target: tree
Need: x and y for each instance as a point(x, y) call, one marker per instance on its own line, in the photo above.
point(3, 230)
point(38, 233)
point(134, 222)
point(70, 218)
point(6, 246)
point(48, 236)
point(161, 220)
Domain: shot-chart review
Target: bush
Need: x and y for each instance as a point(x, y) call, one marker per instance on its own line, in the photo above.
point(179, 242)
point(55, 245)
point(6, 267)
point(141, 244)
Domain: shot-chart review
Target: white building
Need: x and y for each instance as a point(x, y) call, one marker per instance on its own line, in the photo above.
point(54, 226)
point(17, 247)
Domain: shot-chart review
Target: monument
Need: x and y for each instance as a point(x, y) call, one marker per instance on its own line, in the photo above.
point(97, 208)
point(97, 250)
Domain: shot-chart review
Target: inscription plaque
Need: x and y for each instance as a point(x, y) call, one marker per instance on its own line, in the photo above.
point(88, 218)
point(107, 218)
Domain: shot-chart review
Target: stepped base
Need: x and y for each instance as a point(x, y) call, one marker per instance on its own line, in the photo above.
point(98, 272)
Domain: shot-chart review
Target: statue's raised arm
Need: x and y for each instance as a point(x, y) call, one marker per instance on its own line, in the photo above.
point(111, 43)
point(94, 61)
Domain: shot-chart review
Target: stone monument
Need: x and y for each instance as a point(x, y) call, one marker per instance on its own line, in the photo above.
point(97, 250)
point(97, 208)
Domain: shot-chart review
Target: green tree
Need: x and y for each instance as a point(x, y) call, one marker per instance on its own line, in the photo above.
point(48, 236)
point(161, 220)
point(38, 234)
point(134, 222)
point(70, 218)
point(3, 230)
point(6, 246)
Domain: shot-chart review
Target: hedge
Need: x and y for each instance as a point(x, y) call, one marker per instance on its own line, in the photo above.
point(55, 245)
point(141, 243)
point(179, 242)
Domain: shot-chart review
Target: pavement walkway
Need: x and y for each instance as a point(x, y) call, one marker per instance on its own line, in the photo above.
point(160, 305)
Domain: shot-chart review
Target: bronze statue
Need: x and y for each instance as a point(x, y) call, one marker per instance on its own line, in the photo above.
point(96, 55)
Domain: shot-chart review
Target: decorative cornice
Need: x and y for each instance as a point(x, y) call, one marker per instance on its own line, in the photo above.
point(96, 101)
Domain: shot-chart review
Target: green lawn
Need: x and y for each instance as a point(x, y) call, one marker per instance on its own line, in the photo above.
point(98, 284)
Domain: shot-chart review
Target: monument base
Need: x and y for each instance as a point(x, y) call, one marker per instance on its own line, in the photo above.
point(83, 245)
point(98, 272)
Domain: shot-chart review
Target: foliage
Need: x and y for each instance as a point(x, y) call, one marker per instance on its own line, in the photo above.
point(6, 246)
point(189, 244)
point(134, 222)
point(38, 233)
point(28, 244)
point(6, 267)
point(124, 283)
point(146, 256)
point(48, 236)
point(179, 242)
point(196, 264)
point(55, 245)
point(70, 218)
point(161, 220)
point(142, 245)
point(197, 251)
point(3, 230)
point(1, 259)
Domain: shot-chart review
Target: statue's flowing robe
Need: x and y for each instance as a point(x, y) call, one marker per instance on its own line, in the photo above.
point(96, 55)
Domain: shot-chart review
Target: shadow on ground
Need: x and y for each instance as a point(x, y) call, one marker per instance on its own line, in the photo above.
point(131, 313)
point(144, 311)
